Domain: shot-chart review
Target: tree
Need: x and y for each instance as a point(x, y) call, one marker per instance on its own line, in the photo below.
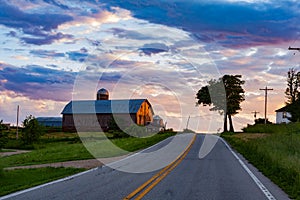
point(293, 84)
point(293, 95)
point(261, 121)
point(32, 130)
point(294, 110)
point(3, 137)
point(225, 94)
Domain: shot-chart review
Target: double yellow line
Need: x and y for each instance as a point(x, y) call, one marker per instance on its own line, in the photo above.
point(141, 191)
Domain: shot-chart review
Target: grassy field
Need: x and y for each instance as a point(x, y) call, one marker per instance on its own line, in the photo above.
point(59, 147)
point(15, 180)
point(54, 150)
point(275, 151)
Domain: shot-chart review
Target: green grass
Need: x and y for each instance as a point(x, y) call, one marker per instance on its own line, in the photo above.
point(97, 143)
point(61, 147)
point(14, 180)
point(6, 150)
point(51, 152)
point(273, 128)
point(276, 154)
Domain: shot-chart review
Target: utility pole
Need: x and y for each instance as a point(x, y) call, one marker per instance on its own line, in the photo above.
point(255, 113)
point(18, 111)
point(187, 123)
point(266, 100)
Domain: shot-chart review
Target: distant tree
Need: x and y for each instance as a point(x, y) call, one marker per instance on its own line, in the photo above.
point(3, 136)
point(32, 130)
point(228, 103)
point(293, 84)
point(261, 121)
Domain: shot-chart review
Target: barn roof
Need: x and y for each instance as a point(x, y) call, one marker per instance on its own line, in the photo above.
point(49, 119)
point(103, 106)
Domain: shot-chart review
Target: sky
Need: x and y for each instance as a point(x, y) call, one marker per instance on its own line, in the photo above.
point(55, 51)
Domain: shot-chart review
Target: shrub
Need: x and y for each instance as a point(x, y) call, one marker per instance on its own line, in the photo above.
point(1, 171)
point(138, 131)
point(3, 136)
point(32, 130)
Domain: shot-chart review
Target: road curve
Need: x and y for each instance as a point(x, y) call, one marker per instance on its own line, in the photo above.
point(219, 175)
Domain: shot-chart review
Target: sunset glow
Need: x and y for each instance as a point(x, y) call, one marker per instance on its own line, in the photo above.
point(56, 51)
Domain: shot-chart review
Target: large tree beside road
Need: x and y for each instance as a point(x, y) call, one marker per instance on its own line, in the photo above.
point(293, 94)
point(293, 86)
point(224, 95)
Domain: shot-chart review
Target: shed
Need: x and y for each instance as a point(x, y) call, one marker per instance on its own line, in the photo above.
point(282, 115)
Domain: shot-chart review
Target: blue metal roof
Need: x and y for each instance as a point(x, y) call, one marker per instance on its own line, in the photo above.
point(50, 121)
point(103, 106)
point(47, 119)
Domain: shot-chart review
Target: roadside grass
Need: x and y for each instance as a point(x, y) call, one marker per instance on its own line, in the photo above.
point(116, 147)
point(97, 143)
point(273, 128)
point(19, 179)
point(50, 153)
point(6, 150)
point(59, 147)
point(276, 154)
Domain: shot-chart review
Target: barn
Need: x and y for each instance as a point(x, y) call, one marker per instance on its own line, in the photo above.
point(97, 115)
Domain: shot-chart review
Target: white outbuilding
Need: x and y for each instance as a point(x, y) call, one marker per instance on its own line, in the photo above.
point(282, 115)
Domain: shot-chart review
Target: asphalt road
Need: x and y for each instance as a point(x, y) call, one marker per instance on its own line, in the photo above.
point(219, 175)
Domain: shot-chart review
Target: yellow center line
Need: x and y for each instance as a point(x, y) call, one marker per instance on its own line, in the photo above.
point(154, 180)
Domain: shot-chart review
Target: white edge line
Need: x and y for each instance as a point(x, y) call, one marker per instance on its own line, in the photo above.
point(261, 186)
point(75, 175)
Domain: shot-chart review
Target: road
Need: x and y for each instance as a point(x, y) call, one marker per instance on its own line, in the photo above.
point(219, 175)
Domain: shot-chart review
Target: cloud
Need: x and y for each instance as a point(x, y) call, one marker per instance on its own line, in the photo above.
point(228, 23)
point(154, 48)
point(46, 38)
point(37, 82)
point(46, 53)
point(79, 56)
point(129, 34)
point(38, 28)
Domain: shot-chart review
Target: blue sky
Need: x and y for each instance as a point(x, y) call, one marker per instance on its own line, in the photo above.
point(55, 51)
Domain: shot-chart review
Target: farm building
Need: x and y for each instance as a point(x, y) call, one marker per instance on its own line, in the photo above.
point(50, 121)
point(282, 115)
point(157, 124)
point(91, 115)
